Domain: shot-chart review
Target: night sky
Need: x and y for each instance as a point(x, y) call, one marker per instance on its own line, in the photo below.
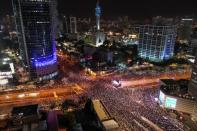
point(115, 8)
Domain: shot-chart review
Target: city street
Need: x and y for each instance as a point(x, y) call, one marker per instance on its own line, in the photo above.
point(75, 76)
point(127, 106)
point(38, 95)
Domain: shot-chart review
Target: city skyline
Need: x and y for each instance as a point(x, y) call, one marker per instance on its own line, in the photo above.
point(113, 9)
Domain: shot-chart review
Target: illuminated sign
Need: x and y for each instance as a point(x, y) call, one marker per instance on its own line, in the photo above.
point(161, 97)
point(187, 19)
point(5, 73)
point(170, 102)
point(45, 61)
point(6, 77)
point(12, 67)
point(3, 81)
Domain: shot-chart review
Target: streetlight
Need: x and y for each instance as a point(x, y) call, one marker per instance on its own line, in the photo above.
point(21, 95)
point(7, 97)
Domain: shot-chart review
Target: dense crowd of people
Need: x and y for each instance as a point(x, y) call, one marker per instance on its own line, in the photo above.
point(127, 105)
point(130, 105)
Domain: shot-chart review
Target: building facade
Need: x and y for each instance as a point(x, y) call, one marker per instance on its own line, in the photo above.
point(156, 43)
point(193, 81)
point(172, 96)
point(73, 24)
point(70, 24)
point(181, 104)
point(35, 23)
point(185, 29)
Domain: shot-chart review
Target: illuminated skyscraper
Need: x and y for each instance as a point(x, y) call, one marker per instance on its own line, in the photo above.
point(100, 36)
point(156, 43)
point(98, 14)
point(35, 23)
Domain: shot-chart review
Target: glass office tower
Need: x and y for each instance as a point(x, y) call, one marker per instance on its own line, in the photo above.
point(156, 43)
point(35, 23)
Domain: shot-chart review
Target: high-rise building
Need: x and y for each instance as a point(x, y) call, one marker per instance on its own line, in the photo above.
point(156, 43)
point(193, 81)
point(65, 24)
point(98, 15)
point(100, 36)
point(36, 24)
point(185, 29)
point(70, 24)
point(193, 43)
point(73, 25)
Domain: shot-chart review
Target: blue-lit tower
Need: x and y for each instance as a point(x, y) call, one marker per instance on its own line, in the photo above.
point(99, 36)
point(98, 14)
point(35, 23)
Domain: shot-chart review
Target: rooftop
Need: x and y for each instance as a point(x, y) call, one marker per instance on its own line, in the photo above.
point(25, 110)
point(101, 112)
point(169, 82)
point(176, 88)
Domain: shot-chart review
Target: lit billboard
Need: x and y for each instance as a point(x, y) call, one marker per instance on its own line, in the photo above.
point(170, 102)
point(161, 97)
